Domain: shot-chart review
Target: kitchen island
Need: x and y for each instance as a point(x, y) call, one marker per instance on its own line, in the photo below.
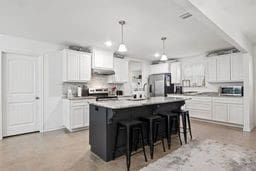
point(104, 116)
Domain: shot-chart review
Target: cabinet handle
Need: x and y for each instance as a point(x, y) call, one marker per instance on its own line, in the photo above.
point(96, 108)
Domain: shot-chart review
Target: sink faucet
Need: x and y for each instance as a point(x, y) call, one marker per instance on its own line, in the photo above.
point(144, 86)
point(146, 90)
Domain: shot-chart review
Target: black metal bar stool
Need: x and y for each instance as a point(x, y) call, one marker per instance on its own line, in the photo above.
point(185, 119)
point(153, 124)
point(170, 120)
point(130, 126)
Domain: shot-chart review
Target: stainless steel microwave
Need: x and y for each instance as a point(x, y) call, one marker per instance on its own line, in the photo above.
point(231, 91)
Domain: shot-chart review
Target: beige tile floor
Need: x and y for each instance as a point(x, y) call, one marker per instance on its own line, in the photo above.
point(59, 150)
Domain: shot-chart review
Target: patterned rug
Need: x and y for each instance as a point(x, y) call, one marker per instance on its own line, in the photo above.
point(206, 155)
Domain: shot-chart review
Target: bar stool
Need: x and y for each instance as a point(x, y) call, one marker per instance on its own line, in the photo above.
point(153, 123)
point(185, 118)
point(170, 120)
point(130, 126)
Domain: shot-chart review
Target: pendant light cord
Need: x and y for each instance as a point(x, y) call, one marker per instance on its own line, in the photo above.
point(163, 47)
point(122, 33)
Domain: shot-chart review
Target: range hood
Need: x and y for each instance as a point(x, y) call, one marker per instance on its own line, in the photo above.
point(103, 72)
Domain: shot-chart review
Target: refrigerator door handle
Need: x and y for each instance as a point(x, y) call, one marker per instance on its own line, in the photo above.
point(150, 88)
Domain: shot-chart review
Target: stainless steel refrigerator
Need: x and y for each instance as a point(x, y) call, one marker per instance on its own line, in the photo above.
point(160, 85)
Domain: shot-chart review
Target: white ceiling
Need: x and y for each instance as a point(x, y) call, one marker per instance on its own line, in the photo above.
point(241, 13)
point(92, 22)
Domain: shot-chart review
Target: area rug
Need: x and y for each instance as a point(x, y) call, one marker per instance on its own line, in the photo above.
point(206, 155)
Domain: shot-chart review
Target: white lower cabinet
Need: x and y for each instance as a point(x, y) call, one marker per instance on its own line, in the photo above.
point(221, 109)
point(236, 113)
point(77, 117)
point(76, 114)
point(86, 115)
point(199, 107)
point(228, 110)
point(220, 112)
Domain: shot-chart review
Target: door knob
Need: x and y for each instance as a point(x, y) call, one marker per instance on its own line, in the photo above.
point(37, 98)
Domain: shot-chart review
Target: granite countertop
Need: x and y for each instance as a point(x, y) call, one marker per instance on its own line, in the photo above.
point(81, 98)
point(127, 103)
point(94, 97)
point(206, 94)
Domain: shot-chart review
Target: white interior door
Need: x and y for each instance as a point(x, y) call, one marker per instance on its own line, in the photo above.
point(21, 88)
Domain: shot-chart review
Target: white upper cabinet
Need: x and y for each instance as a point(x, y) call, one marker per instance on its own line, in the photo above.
point(102, 59)
point(121, 67)
point(72, 65)
point(76, 66)
point(223, 68)
point(237, 67)
point(211, 69)
point(175, 68)
point(85, 67)
point(159, 68)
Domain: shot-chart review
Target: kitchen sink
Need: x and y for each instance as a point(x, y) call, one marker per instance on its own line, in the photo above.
point(136, 99)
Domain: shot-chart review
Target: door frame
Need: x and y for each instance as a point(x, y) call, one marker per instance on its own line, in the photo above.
point(41, 86)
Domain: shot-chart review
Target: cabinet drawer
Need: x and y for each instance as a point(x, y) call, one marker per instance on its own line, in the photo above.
point(79, 103)
point(200, 114)
point(229, 100)
point(203, 99)
point(199, 105)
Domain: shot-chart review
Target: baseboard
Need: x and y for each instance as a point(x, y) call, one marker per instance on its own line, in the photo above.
point(218, 123)
point(53, 129)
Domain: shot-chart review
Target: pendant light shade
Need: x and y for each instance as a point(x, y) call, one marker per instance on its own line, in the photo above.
point(122, 47)
point(164, 57)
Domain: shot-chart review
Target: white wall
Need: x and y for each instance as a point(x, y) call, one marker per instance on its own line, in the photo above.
point(1, 116)
point(52, 75)
point(249, 108)
point(52, 91)
point(254, 57)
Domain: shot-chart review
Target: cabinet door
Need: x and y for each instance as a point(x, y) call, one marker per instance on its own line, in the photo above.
point(237, 67)
point(103, 59)
point(73, 66)
point(236, 114)
point(159, 68)
point(85, 67)
point(86, 115)
point(223, 68)
point(121, 69)
point(211, 69)
point(77, 117)
point(220, 112)
point(176, 72)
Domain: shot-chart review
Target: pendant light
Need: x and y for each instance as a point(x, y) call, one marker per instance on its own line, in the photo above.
point(164, 57)
point(122, 48)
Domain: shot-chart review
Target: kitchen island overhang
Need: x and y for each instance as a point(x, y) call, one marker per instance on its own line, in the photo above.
point(104, 116)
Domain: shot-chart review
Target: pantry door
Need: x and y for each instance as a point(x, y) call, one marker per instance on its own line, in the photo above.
point(21, 94)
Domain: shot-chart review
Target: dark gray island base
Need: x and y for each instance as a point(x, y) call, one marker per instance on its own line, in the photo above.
point(105, 115)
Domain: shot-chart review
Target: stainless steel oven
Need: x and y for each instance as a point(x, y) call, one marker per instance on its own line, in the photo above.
point(231, 91)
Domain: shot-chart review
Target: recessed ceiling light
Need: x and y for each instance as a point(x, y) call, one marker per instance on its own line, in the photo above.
point(108, 43)
point(156, 55)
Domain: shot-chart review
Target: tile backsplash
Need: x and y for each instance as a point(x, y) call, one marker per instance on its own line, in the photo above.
point(97, 81)
point(73, 86)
